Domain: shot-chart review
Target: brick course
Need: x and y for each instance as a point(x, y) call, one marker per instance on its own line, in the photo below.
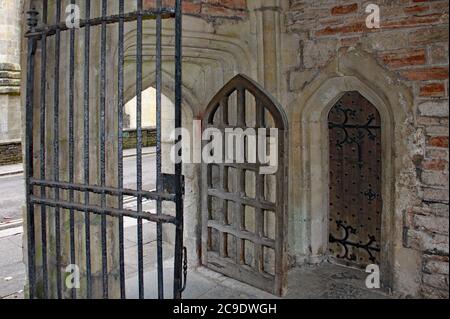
point(209, 9)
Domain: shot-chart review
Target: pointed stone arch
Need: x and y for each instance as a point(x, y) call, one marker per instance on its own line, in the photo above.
point(225, 239)
point(351, 70)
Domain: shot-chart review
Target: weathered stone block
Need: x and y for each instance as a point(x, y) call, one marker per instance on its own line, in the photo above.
point(379, 41)
point(436, 264)
point(439, 54)
point(428, 36)
point(434, 108)
point(435, 194)
point(298, 79)
point(433, 293)
point(431, 223)
point(436, 281)
point(428, 242)
point(435, 178)
point(318, 53)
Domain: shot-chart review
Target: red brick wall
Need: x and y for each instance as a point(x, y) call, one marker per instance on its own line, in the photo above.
point(413, 43)
point(229, 9)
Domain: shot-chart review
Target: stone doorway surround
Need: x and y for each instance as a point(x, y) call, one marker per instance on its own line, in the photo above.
point(351, 70)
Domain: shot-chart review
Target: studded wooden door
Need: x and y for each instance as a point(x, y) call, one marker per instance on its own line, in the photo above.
point(244, 210)
point(355, 181)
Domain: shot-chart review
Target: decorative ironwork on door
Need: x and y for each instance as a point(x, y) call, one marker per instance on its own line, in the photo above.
point(58, 197)
point(355, 181)
point(244, 212)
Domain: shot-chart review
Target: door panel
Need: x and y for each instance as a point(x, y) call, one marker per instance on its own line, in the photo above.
point(244, 211)
point(355, 181)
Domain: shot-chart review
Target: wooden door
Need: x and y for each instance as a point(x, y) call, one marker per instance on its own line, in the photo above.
point(355, 181)
point(244, 212)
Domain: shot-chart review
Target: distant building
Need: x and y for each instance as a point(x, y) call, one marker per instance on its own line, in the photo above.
point(10, 118)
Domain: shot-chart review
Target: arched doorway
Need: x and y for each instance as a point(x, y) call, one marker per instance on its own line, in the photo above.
point(243, 209)
point(355, 201)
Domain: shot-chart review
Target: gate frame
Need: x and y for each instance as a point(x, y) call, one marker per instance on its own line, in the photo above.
point(37, 34)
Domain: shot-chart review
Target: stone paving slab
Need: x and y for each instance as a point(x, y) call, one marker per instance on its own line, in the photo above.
point(326, 281)
point(12, 269)
point(11, 169)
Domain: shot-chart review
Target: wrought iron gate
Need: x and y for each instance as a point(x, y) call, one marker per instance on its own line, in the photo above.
point(243, 211)
point(355, 181)
point(54, 190)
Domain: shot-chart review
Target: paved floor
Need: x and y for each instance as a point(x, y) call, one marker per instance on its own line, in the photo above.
point(12, 269)
point(310, 282)
point(12, 198)
point(324, 281)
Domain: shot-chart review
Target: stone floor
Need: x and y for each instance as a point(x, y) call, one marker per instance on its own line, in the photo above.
point(326, 281)
point(12, 269)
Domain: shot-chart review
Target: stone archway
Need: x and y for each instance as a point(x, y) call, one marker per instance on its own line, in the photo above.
point(352, 70)
point(191, 171)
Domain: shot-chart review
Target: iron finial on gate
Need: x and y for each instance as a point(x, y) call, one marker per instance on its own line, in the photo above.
point(32, 20)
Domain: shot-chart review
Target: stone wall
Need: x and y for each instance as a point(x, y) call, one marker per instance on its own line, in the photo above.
point(11, 153)
point(130, 138)
point(10, 31)
point(10, 79)
point(412, 43)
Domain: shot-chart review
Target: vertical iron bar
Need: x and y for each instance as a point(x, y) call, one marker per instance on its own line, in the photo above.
point(87, 40)
point(103, 148)
point(32, 22)
point(72, 144)
point(42, 154)
point(159, 181)
point(139, 145)
point(56, 149)
point(120, 146)
point(178, 167)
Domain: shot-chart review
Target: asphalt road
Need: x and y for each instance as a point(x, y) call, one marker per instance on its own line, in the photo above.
point(12, 188)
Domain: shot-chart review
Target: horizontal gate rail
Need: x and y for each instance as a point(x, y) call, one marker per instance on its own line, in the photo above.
point(152, 14)
point(103, 210)
point(104, 190)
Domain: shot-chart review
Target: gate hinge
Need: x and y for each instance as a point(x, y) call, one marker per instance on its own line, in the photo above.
point(169, 183)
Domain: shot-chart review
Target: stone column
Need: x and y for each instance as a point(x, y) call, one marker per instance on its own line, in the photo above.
point(10, 148)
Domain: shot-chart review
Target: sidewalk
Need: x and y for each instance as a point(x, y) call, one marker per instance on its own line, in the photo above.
point(145, 151)
point(14, 169)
